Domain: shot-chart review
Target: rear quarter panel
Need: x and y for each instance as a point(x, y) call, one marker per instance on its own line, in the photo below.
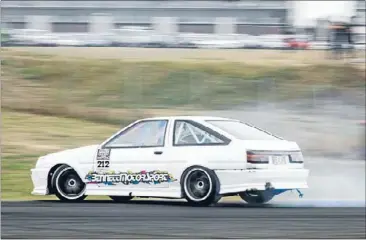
point(212, 157)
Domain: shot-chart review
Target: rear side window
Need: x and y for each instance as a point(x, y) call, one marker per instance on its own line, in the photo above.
point(243, 131)
point(190, 133)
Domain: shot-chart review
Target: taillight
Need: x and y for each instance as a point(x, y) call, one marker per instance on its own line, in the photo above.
point(296, 157)
point(257, 158)
point(265, 157)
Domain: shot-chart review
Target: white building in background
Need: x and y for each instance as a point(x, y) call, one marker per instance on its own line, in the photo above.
point(253, 17)
point(322, 30)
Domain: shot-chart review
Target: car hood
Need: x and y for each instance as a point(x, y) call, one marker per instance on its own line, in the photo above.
point(81, 154)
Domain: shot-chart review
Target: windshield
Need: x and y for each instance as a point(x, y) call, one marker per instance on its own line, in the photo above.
point(242, 131)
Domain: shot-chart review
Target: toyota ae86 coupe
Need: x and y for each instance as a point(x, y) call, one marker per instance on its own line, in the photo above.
point(198, 158)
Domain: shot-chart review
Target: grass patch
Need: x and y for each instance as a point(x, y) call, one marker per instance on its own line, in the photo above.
point(28, 136)
point(117, 91)
point(257, 57)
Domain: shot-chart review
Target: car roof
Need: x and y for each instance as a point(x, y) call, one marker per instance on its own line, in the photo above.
point(194, 118)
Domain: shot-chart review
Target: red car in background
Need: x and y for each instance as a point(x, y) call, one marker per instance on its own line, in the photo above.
point(297, 43)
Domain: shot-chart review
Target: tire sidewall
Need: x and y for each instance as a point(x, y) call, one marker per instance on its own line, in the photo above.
point(211, 197)
point(55, 185)
point(261, 198)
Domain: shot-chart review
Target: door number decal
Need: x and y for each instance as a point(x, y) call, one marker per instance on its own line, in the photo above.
point(103, 163)
point(103, 156)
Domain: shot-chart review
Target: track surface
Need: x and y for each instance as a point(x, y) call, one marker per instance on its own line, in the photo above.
point(161, 219)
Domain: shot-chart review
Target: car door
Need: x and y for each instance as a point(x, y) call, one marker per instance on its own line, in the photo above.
point(134, 158)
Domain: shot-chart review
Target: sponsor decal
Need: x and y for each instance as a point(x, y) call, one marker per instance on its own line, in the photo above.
point(103, 156)
point(127, 178)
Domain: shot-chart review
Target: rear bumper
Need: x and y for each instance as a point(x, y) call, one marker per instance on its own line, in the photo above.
point(39, 179)
point(234, 181)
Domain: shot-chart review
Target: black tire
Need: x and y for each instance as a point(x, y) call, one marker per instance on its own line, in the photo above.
point(121, 199)
point(65, 181)
point(200, 186)
point(256, 197)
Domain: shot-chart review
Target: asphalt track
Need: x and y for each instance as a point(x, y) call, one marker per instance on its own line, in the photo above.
point(172, 219)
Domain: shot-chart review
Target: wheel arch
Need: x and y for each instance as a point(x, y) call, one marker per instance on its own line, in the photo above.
point(216, 179)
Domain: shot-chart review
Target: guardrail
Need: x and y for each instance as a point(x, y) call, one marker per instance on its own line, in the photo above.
point(148, 38)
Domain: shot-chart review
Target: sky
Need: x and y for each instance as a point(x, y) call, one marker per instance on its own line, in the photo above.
point(305, 12)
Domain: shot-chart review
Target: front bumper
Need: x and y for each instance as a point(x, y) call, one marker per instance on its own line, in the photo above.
point(39, 179)
point(235, 181)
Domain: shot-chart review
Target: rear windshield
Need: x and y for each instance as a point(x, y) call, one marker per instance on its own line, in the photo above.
point(242, 131)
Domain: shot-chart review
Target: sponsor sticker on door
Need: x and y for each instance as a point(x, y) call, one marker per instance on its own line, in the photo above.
point(130, 178)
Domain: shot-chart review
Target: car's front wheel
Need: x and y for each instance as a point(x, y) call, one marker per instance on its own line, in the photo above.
point(200, 186)
point(256, 197)
point(68, 185)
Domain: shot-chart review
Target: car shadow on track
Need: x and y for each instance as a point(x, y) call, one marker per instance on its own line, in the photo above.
point(168, 203)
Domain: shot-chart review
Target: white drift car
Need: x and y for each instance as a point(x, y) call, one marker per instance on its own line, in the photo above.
point(200, 159)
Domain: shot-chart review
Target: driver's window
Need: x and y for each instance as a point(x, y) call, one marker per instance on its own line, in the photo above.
point(143, 134)
point(186, 133)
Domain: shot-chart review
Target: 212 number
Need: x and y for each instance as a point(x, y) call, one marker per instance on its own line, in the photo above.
point(103, 164)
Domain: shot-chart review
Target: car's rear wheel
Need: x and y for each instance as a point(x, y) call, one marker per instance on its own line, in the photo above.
point(256, 197)
point(200, 186)
point(68, 185)
point(121, 199)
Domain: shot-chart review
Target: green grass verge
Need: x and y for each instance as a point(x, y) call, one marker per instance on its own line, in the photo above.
point(28, 136)
point(113, 91)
